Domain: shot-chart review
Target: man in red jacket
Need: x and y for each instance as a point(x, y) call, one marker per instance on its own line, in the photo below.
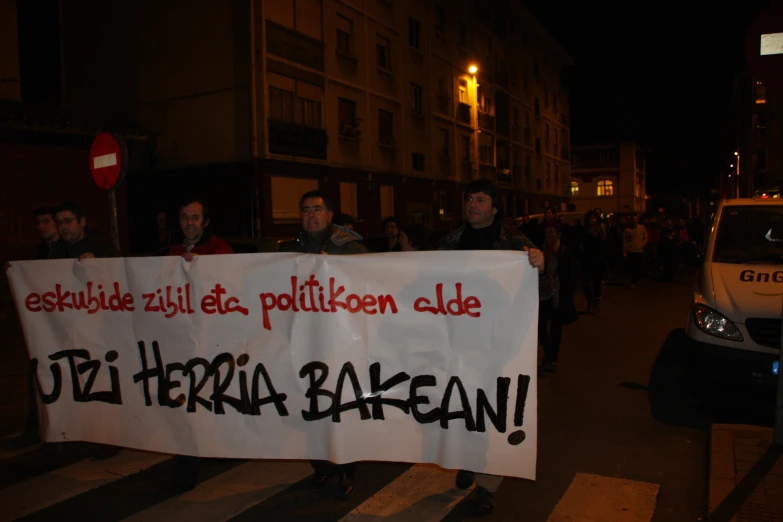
point(193, 220)
point(198, 241)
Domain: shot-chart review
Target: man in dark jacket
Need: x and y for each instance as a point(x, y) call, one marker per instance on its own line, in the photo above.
point(320, 236)
point(484, 230)
point(74, 243)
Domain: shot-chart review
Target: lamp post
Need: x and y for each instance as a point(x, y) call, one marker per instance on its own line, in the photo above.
point(738, 172)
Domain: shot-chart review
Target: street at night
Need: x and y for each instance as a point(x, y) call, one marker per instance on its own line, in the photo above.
point(620, 429)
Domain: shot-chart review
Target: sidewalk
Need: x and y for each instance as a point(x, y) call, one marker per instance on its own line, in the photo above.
point(745, 475)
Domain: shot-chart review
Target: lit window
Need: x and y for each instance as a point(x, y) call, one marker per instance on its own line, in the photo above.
point(574, 188)
point(761, 93)
point(605, 188)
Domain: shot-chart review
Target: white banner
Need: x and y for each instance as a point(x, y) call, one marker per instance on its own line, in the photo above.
point(411, 357)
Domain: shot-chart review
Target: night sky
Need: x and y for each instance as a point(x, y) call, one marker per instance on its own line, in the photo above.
point(656, 71)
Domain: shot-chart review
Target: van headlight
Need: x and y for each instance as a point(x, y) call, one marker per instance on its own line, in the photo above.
point(711, 322)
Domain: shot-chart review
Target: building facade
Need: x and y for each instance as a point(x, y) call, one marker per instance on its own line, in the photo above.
point(375, 102)
point(610, 177)
point(752, 159)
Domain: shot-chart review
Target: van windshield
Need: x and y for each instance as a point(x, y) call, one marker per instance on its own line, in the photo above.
point(750, 234)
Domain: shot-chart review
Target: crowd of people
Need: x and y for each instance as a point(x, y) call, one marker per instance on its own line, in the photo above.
point(564, 255)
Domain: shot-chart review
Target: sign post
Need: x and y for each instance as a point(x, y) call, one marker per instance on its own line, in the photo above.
point(108, 166)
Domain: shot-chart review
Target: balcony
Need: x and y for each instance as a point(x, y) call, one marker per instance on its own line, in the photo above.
point(296, 140)
point(463, 113)
point(486, 121)
point(489, 172)
point(504, 176)
point(503, 128)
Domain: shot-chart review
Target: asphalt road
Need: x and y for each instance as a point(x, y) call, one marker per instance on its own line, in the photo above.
point(621, 407)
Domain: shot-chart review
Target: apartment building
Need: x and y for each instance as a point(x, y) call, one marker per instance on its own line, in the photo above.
point(389, 106)
point(610, 177)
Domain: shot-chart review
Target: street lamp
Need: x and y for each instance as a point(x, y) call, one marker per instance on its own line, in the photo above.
point(738, 172)
point(472, 69)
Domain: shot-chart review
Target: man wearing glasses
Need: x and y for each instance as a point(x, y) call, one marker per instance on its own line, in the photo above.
point(320, 236)
point(74, 242)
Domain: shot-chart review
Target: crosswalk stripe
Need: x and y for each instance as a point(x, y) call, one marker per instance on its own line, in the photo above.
point(228, 494)
point(48, 489)
point(593, 498)
point(423, 493)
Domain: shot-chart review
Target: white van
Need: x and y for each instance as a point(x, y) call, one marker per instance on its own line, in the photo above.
point(735, 317)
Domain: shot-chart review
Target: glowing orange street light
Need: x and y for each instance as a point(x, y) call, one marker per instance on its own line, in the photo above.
point(472, 69)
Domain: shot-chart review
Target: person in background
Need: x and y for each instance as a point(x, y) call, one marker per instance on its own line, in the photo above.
point(343, 220)
point(414, 238)
point(47, 229)
point(593, 262)
point(558, 309)
point(634, 242)
point(392, 232)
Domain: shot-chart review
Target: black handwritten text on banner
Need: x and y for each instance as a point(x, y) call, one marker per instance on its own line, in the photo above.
point(426, 357)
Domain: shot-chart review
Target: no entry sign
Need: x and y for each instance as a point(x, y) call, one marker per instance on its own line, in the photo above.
point(108, 160)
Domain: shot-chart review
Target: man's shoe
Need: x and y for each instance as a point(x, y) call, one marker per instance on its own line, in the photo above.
point(346, 485)
point(551, 367)
point(465, 479)
point(319, 481)
point(485, 503)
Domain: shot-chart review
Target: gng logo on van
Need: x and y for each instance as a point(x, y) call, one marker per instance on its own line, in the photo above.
point(751, 276)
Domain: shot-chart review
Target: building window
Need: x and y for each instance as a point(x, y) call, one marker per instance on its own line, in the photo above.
point(440, 20)
point(554, 101)
point(515, 118)
point(538, 184)
point(574, 188)
point(466, 152)
point(603, 157)
point(484, 100)
point(462, 39)
point(538, 146)
point(285, 197)
point(761, 93)
point(605, 188)
point(348, 199)
point(548, 176)
point(444, 142)
point(344, 35)
point(463, 91)
point(527, 166)
point(526, 81)
point(537, 107)
point(383, 52)
point(416, 99)
point(346, 115)
point(281, 105)
point(387, 200)
point(546, 97)
point(557, 175)
point(414, 33)
point(418, 162)
point(535, 68)
point(557, 140)
point(486, 149)
point(308, 112)
point(385, 127)
point(546, 133)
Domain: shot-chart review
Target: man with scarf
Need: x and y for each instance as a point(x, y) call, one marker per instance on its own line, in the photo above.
point(484, 230)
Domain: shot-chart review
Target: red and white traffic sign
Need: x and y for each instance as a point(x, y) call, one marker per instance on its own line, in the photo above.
point(108, 160)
